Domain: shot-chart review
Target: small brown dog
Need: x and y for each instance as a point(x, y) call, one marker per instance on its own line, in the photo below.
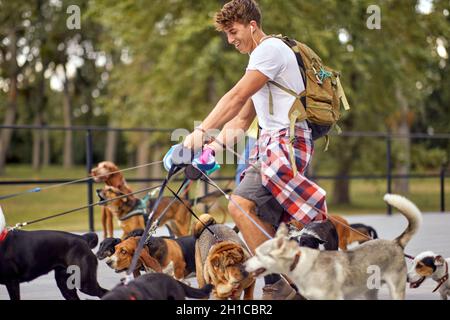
point(121, 259)
point(175, 257)
point(219, 260)
point(122, 209)
point(106, 171)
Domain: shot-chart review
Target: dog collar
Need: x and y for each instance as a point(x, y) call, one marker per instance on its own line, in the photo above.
point(444, 278)
point(294, 264)
point(3, 235)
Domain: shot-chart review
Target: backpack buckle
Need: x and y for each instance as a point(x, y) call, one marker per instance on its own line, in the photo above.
point(319, 81)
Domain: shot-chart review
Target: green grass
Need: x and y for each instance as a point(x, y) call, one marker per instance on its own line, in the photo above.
point(366, 197)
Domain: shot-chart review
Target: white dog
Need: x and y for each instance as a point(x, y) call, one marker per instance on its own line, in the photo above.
point(341, 274)
point(428, 264)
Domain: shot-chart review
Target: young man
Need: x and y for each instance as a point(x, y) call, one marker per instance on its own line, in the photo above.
point(269, 191)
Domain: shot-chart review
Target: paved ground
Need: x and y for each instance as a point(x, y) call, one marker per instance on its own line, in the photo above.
point(434, 235)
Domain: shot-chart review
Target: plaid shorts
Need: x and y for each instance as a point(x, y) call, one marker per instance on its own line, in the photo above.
point(251, 188)
point(297, 196)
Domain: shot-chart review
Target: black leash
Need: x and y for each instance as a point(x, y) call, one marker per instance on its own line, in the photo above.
point(23, 224)
point(193, 213)
point(173, 170)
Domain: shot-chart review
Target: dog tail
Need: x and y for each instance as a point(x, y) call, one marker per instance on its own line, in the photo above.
point(2, 220)
point(91, 238)
point(206, 220)
point(195, 293)
point(210, 197)
point(412, 214)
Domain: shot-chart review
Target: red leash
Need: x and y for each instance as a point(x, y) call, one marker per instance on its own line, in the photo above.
point(3, 235)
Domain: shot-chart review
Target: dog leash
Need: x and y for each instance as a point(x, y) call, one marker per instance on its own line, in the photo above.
point(193, 213)
point(151, 226)
point(23, 224)
point(39, 189)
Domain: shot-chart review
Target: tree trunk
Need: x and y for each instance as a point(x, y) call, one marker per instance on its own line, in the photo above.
point(112, 138)
point(45, 148)
point(156, 155)
point(38, 134)
point(341, 187)
point(403, 144)
point(11, 111)
point(37, 139)
point(68, 135)
point(143, 156)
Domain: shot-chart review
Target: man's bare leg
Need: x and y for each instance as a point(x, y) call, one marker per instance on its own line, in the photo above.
point(253, 236)
point(278, 289)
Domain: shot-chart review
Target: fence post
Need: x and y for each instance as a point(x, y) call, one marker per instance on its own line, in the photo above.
point(443, 169)
point(90, 184)
point(389, 167)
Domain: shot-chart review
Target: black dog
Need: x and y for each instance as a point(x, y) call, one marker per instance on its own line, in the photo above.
point(156, 286)
point(368, 230)
point(107, 246)
point(314, 234)
point(26, 255)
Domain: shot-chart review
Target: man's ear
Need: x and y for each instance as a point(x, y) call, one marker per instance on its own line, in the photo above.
point(439, 261)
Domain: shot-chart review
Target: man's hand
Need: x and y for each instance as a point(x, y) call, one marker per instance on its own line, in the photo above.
point(194, 140)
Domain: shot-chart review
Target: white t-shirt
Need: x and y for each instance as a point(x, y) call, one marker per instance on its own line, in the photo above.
point(277, 61)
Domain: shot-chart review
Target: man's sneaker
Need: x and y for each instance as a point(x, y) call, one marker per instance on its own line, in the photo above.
point(280, 290)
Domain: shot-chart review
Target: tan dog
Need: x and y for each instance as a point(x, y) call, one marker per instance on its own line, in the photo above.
point(106, 171)
point(220, 261)
point(123, 255)
point(345, 233)
point(122, 207)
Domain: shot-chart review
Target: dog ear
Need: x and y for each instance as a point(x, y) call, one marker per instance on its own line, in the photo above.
point(215, 261)
point(439, 261)
point(149, 261)
point(280, 242)
point(282, 231)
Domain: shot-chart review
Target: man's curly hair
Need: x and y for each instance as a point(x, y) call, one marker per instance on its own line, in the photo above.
point(241, 11)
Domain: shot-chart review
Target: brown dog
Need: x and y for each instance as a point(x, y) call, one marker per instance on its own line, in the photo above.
point(122, 207)
point(175, 257)
point(219, 260)
point(344, 229)
point(123, 255)
point(106, 171)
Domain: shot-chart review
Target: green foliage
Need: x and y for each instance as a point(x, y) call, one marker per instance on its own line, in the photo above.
point(166, 66)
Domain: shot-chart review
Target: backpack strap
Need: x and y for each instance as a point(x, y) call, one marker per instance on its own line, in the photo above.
point(297, 110)
point(341, 94)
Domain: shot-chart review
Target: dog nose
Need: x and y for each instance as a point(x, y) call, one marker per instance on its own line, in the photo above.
point(109, 262)
point(244, 272)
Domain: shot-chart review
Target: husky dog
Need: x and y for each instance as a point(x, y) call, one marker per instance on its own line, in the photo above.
point(341, 274)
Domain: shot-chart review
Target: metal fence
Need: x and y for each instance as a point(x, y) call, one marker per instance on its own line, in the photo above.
point(88, 131)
